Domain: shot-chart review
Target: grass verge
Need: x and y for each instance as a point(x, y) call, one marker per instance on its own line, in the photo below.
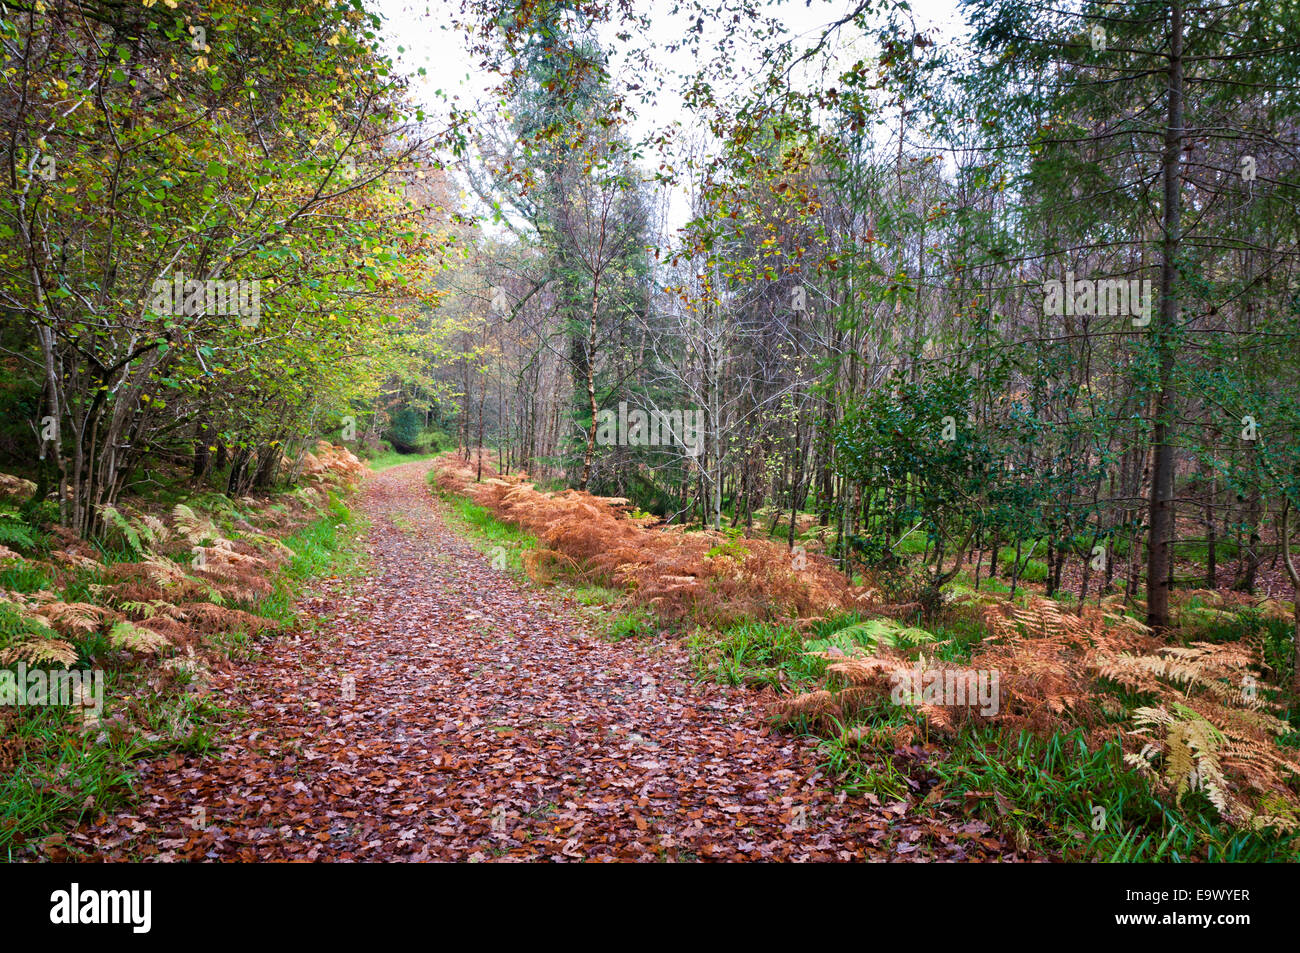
point(1054, 795)
point(507, 545)
point(391, 458)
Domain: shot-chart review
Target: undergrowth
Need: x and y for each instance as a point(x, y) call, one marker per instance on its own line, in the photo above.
point(1110, 744)
point(152, 609)
point(509, 548)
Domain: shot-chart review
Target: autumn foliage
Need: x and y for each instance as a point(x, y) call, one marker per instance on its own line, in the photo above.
point(695, 575)
point(182, 585)
point(1199, 717)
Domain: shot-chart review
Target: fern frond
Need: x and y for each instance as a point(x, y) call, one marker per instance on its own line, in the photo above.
point(195, 528)
point(39, 652)
point(128, 635)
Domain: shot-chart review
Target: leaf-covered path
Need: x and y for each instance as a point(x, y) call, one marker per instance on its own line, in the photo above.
point(487, 723)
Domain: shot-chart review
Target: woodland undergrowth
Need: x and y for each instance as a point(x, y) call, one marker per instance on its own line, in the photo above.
point(1186, 738)
point(161, 600)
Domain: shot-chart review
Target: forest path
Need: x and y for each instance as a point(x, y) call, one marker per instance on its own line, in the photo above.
point(443, 710)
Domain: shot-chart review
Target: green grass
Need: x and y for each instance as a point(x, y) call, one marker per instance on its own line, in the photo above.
point(766, 653)
point(996, 586)
point(1226, 551)
point(913, 545)
point(858, 771)
point(69, 777)
point(956, 637)
point(630, 623)
point(1035, 570)
point(590, 595)
point(754, 654)
point(503, 543)
point(391, 458)
point(328, 546)
point(1084, 803)
point(23, 577)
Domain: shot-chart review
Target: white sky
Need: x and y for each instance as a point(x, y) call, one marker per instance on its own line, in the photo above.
point(417, 33)
point(421, 28)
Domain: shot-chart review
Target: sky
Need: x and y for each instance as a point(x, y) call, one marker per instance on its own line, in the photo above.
point(418, 33)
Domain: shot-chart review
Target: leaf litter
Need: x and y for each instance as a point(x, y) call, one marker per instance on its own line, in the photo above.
point(443, 710)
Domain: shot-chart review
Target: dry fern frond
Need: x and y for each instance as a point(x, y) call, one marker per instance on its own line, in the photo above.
point(810, 705)
point(1212, 728)
point(191, 664)
point(274, 548)
point(1225, 670)
point(192, 526)
point(880, 737)
point(1190, 744)
point(680, 575)
point(861, 672)
point(75, 560)
point(74, 617)
point(544, 565)
point(164, 572)
point(38, 651)
point(209, 618)
point(157, 527)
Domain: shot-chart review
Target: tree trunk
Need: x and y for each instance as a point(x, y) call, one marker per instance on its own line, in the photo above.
point(590, 452)
point(1161, 524)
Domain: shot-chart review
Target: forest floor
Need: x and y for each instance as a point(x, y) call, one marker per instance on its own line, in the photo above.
point(442, 709)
